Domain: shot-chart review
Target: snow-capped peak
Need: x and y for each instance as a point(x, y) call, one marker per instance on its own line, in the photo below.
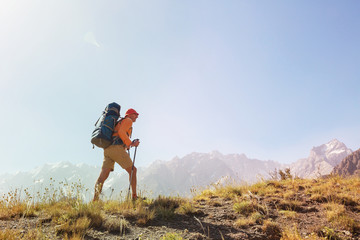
point(334, 145)
point(322, 159)
point(330, 148)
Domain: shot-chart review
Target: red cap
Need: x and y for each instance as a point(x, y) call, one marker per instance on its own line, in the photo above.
point(130, 111)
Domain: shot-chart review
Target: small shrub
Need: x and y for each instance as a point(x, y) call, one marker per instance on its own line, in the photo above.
point(284, 175)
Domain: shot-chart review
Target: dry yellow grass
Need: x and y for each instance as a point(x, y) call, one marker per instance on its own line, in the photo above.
point(336, 214)
point(117, 225)
point(186, 208)
point(272, 229)
point(15, 234)
point(72, 217)
point(247, 207)
point(136, 209)
point(229, 190)
point(244, 222)
point(335, 189)
point(292, 233)
point(288, 214)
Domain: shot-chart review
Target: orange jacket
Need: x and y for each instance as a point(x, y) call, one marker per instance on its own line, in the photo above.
point(123, 130)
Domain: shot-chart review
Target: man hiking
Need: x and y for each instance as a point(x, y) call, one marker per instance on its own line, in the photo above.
point(117, 152)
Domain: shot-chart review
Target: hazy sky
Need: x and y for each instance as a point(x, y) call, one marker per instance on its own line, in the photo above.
point(270, 79)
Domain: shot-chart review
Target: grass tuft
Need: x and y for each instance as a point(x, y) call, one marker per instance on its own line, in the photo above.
point(186, 208)
point(288, 214)
point(165, 207)
point(244, 222)
point(171, 236)
point(271, 229)
point(247, 207)
point(117, 225)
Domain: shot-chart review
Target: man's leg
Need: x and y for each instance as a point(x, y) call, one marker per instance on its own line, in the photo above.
point(104, 174)
point(132, 181)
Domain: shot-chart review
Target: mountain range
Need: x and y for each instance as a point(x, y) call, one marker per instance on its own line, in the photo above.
point(321, 160)
point(179, 175)
point(349, 166)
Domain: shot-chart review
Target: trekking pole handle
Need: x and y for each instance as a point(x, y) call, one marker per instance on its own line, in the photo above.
point(134, 142)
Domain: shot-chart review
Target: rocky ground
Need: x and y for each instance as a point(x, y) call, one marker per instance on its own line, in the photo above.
point(214, 219)
point(273, 210)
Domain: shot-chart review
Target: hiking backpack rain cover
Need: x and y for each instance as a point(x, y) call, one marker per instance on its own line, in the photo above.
point(104, 127)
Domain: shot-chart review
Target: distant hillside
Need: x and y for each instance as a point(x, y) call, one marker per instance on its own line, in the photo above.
point(350, 165)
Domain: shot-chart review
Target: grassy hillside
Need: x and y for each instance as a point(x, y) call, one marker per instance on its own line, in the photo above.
point(289, 208)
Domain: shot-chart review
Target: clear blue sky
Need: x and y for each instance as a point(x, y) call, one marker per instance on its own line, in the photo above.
point(270, 79)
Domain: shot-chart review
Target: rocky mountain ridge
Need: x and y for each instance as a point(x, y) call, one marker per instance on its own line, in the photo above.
point(349, 165)
point(179, 175)
point(322, 160)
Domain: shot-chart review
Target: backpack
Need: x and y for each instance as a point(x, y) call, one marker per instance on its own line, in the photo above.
point(104, 126)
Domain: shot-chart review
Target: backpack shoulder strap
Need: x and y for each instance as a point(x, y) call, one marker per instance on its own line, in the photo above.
point(118, 122)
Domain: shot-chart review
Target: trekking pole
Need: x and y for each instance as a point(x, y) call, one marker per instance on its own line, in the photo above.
point(131, 175)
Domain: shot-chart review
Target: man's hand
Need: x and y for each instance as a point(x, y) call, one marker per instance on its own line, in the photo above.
point(135, 143)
